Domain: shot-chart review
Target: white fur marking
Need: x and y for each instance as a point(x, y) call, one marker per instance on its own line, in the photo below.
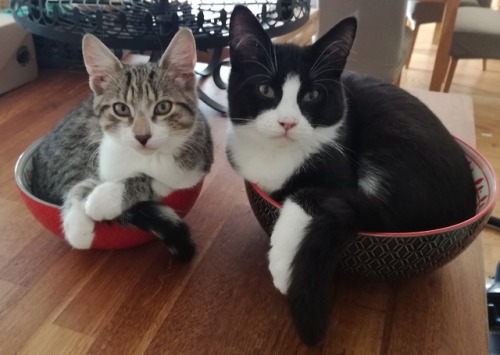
point(285, 240)
point(105, 201)
point(78, 227)
point(371, 182)
point(118, 161)
point(264, 154)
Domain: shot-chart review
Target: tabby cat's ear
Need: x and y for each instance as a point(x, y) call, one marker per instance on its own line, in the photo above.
point(100, 62)
point(247, 38)
point(335, 45)
point(180, 56)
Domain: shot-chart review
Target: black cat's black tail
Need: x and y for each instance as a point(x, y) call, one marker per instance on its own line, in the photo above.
point(163, 222)
point(310, 291)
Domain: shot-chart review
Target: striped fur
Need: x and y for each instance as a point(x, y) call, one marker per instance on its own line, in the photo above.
point(139, 137)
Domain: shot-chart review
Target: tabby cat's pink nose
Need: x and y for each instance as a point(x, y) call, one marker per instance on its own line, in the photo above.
point(143, 138)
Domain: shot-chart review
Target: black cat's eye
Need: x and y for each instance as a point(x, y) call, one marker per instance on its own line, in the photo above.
point(266, 91)
point(163, 107)
point(311, 96)
point(120, 109)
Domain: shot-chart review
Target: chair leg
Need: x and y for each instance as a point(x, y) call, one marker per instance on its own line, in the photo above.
point(449, 74)
point(412, 44)
point(484, 64)
point(437, 33)
point(397, 82)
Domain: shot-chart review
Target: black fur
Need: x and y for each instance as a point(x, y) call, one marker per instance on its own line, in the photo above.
point(426, 178)
point(163, 222)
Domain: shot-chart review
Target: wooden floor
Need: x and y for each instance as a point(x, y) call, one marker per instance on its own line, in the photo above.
point(54, 300)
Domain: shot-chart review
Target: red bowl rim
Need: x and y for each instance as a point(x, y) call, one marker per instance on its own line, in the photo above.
point(486, 209)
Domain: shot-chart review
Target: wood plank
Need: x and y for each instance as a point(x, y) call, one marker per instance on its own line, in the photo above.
point(47, 293)
point(10, 294)
point(18, 227)
point(152, 299)
point(51, 339)
point(239, 311)
point(109, 288)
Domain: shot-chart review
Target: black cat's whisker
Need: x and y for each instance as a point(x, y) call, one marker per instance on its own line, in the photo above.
point(275, 59)
point(260, 64)
point(324, 88)
point(269, 58)
point(328, 80)
point(322, 57)
point(322, 71)
point(345, 88)
point(245, 119)
point(254, 76)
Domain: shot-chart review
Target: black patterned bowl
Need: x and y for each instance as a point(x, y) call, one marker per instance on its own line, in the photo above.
point(389, 256)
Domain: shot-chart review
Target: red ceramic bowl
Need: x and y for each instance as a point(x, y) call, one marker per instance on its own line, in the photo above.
point(108, 235)
point(386, 256)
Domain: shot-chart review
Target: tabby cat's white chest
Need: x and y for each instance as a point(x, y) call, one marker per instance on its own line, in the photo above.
point(117, 161)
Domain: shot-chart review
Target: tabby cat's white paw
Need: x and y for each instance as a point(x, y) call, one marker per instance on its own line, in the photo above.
point(78, 228)
point(288, 233)
point(105, 201)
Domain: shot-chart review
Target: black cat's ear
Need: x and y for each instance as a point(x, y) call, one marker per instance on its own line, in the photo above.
point(247, 38)
point(100, 62)
point(335, 45)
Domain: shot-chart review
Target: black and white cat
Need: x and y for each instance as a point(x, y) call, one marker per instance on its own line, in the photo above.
point(138, 138)
point(343, 153)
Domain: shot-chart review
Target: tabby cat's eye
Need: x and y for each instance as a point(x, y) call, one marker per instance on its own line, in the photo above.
point(163, 107)
point(120, 109)
point(311, 96)
point(266, 91)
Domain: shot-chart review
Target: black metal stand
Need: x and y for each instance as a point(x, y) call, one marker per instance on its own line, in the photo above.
point(212, 69)
point(150, 25)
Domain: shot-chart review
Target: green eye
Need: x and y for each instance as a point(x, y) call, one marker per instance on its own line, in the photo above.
point(311, 96)
point(120, 109)
point(163, 107)
point(266, 91)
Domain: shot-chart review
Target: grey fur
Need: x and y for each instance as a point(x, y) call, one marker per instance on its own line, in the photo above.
point(66, 169)
point(69, 154)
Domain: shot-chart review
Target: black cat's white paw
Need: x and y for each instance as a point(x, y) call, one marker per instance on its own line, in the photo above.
point(287, 235)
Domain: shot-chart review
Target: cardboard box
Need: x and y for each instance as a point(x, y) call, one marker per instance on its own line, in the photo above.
point(17, 55)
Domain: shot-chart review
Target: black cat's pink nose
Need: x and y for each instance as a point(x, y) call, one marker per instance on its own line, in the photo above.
point(287, 125)
point(143, 138)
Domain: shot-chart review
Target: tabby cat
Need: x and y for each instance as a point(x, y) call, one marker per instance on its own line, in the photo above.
point(138, 138)
point(342, 152)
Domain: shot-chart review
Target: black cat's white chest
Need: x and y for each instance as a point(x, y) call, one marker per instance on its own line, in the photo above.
point(269, 162)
